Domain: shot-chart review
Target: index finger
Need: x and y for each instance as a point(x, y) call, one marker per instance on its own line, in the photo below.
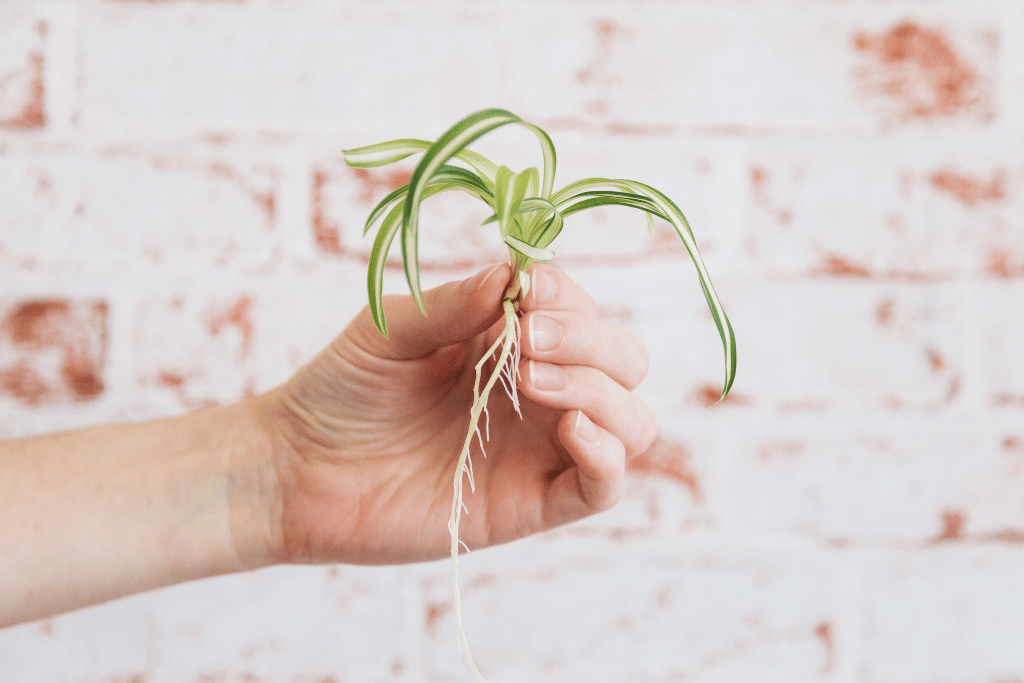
point(553, 290)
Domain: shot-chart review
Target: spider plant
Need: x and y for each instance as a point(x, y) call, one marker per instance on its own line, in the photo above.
point(529, 215)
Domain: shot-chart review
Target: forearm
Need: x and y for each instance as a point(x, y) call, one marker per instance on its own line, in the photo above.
point(94, 515)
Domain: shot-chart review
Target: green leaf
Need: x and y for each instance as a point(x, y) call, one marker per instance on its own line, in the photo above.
point(389, 227)
point(542, 233)
point(593, 199)
point(383, 206)
point(454, 140)
point(384, 153)
point(375, 272)
point(509, 191)
point(528, 250)
point(504, 191)
point(550, 160)
point(458, 178)
point(484, 166)
point(591, 192)
point(682, 226)
point(527, 184)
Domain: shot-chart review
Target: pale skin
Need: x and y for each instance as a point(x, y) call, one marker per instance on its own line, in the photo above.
point(350, 461)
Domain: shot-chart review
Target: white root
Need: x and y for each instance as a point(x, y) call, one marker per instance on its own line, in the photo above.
point(507, 370)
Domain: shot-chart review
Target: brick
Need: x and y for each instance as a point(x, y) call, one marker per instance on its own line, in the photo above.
point(840, 67)
point(851, 345)
point(78, 209)
point(301, 66)
point(894, 210)
point(196, 350)
point(920, 72)
point(213, 338)
point(874, 479)
point(654, 610)
point(22, 63)
point(52, 350)
point(945, 615)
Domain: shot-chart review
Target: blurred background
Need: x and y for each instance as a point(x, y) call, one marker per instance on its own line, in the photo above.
point(177, 230)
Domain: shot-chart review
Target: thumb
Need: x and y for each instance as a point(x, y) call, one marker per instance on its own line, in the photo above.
point(456, 311)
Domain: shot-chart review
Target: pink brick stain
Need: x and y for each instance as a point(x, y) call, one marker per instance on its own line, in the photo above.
point(170, 379)
point(33, 114)
point(326, 232)
point(935, 360)
point(435, 612)
point(265, 199)
point(969, 190)
point(838, 266)
point(708, 394)
point(1000, 263)
point(77, 330)
point(671, 460)
point(373, 185)
point(954, 529)
point(884, 312)
point(918, 70)
point(237, 315)
point(759, 179)
point(824, 633)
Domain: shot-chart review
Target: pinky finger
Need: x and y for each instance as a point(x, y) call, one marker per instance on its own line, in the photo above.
point(595, 482)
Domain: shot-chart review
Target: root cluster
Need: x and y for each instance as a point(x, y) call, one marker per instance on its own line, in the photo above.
point(506, 346)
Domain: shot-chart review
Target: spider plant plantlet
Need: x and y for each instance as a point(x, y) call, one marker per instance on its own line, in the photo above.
point(529, 215)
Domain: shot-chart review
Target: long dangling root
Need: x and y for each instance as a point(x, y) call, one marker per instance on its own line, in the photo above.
point(506, 370)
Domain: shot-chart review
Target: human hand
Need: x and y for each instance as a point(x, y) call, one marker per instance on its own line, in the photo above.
point(365, 437)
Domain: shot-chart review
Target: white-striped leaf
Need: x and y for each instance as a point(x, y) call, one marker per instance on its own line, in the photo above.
point(457, 178)
point(528, 250)
point(454, 140)
point(384, 153)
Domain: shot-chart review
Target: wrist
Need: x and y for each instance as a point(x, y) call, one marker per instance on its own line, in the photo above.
point(254, 452)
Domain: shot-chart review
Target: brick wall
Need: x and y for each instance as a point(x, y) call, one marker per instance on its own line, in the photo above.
point(177, 230)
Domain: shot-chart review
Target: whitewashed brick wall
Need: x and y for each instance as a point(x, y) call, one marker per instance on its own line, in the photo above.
point(177, 229)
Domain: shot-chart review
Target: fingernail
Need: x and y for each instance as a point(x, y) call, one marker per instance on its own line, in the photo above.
point(473, 284)
point(586, 430)
point(544, 287)
point(545, 333)
point(548, 377)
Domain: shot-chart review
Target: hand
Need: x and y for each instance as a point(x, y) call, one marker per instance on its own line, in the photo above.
point(367, 435)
